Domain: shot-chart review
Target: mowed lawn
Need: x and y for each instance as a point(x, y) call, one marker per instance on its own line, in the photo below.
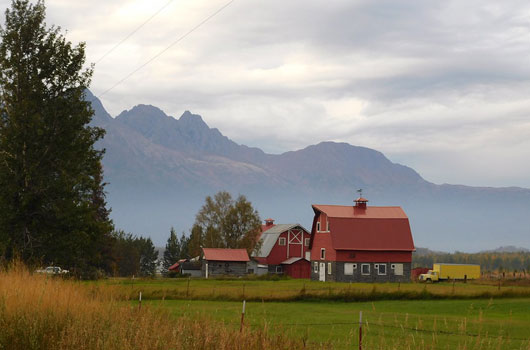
point(421, 324)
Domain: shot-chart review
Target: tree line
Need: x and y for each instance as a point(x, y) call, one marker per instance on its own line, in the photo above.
point(488, 261)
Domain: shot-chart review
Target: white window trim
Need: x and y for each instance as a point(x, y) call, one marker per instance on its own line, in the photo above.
point(282, 241)
point(318, 226)
point(329, 268)
point(327, 226)
point(353, 268)
point(315, 267)
point(362, 270)
point(306, 241)
point(378, 269)
point(322, 253)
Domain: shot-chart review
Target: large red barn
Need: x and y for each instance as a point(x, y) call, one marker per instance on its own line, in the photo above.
point(360, 243)
point(284, 249)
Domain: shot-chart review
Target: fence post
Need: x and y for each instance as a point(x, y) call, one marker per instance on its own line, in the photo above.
point(242, 317)
point(140, 301)
point(360, 330)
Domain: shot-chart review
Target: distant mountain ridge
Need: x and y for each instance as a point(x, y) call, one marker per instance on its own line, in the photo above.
point(160, 169)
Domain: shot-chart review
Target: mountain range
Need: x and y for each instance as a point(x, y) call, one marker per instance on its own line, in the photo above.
point(159, 169)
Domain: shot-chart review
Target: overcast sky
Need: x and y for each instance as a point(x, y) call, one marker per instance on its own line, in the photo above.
point(440, 86)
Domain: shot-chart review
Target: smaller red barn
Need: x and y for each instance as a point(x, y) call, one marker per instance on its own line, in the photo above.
point(417, 271)
point(224, 261)
point(285, 249)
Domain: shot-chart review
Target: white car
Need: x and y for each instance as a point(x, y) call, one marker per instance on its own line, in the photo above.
point(53, 270)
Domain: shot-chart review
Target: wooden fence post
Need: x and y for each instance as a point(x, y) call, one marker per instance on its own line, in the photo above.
point(242, 317)
point(360, 330)
point(140, 301)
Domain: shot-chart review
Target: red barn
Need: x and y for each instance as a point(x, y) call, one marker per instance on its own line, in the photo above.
point(360, 243)
point(285, 249)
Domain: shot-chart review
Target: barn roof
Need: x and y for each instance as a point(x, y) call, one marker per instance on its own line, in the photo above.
point(293, 260)
point(370, 228)
point(225, 254)
point(268, 238)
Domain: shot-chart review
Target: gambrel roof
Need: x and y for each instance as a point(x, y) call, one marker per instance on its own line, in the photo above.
point(270, 237)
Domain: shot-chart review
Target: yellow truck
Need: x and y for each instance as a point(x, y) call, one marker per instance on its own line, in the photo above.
point(441, 272)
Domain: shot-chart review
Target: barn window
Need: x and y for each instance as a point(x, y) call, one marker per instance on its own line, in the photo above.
point(348, 268)
point(281, 241)
point(315, 267)
point(398, 269)
point(381, 269)
point(306, 242)
point(327, 226)
point(322, 253)
point(318, 226)
point(365, 269)
point(329, 268)
point(279, 269)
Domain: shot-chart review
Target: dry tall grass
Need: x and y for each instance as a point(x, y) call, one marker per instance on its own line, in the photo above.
point(39, 312)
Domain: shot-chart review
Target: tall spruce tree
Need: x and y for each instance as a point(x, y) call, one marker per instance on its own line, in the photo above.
point(172, 252)
point(52, 206)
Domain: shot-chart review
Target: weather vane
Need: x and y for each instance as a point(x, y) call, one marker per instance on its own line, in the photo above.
point(360, 190)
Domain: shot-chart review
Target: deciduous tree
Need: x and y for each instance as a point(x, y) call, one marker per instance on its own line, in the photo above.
point(224, 222)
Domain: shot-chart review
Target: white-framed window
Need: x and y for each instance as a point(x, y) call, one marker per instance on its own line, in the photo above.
point(281, 241)
point(306, 242)
point(365, 269)
point(327, 226)
point(398, 269)
point(381, 269)
point(348, 268)
point(329, 268)
point(308, 255)
point(315, 267)
point(318, 226)
point(322, 253)
point(279, 269)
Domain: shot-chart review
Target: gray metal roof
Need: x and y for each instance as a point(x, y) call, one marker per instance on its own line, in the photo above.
point(268, 238)
point(292, 261)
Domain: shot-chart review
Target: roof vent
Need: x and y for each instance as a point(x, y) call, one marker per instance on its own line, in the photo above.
point(361, 201)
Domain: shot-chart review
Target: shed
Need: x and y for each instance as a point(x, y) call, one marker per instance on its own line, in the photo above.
point(224, 261)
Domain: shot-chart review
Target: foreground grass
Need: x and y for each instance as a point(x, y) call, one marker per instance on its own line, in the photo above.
point(304, 290)
point(37, 312)
point(440, 324)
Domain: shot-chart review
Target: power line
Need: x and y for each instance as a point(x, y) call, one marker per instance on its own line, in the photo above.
point(134, 31)
point(168, 47)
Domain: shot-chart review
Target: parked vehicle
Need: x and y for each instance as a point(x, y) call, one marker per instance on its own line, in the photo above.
point(53, 270)
point(442, 272)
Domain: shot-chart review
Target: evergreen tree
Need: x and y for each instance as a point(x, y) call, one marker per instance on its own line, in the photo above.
point(52, 206)
point(184, 247)
point(172, 252)
point(148, 256)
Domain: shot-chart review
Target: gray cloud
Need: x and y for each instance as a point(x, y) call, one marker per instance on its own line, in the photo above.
point(439, 86)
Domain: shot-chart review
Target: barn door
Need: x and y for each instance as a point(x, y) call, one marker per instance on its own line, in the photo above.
point(322, 272)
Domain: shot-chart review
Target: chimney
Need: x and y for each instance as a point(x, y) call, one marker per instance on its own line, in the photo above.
point(269, 222)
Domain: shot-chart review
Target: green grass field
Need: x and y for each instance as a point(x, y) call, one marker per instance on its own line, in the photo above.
point(477, 315)
point(419, 324)
point(299, 290)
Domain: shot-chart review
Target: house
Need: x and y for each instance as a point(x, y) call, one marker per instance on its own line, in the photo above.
point(223, 261)
point(360, 243)
point(284, 249)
